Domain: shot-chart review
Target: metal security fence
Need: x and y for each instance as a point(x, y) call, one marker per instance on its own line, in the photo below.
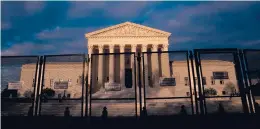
point(113, 84)
point(202, 81)
point(167, 83)
point(220, 81)
point(251, 70)
point(18, 85)
point(62, 85)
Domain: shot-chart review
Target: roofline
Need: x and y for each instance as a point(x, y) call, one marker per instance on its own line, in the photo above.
point(87, 35)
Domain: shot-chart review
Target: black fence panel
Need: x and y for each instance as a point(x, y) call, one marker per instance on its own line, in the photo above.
point(167, 83)
point(18, 85)
point(113, 84)
point(220, 81)
point(62, 85)
point(205, 81)
point(252, 73)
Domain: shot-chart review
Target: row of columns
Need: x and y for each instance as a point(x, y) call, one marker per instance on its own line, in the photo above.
point(154, 63)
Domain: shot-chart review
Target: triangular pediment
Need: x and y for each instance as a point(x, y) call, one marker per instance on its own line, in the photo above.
point(128, 29)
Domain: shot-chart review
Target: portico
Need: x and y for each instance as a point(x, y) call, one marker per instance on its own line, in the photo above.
point(123, 38)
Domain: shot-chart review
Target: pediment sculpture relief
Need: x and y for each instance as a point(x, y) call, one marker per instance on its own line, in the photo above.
point(129, 30)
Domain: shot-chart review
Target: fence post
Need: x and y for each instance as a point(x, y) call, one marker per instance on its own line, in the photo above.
point(242, 60)
point(191, 96)
point(86, 62)
point(82, 89)
point(240, 82)
point(41, 83)
point(35, 85)
point(201, 96)
point(248, 78)
point(37, 94)
point(139, 80)
point(90, 90)
point(194, 83)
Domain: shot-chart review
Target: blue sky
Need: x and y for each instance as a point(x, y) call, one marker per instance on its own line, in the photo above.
point(58, 27)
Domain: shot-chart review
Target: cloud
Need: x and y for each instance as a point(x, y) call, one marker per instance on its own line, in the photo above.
point(36, 48)
point(110, 9)
point(26, 48)
point(81, 9)
point(5, 25)
point(125, 9)
point(196, 23)
point(32, 7)
point(65, 33)
point(181, 39)
point(211, 8)
point(252, 42)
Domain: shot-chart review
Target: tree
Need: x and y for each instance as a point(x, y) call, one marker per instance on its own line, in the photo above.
point(210, 91)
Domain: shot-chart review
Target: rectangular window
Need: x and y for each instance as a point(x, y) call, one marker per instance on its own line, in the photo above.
point(186, 80)
point(212, 81)
point(223, 92)
point(51, 82)
point(220, 75)
point(204, 82)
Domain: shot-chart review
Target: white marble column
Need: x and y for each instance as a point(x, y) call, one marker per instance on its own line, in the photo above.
point(100, 67)
point(165, 62)
point(145, 68)
point(111, 64)
point(122, 66)
point(155, 66)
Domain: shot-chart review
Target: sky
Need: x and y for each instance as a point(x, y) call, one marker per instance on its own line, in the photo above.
point(47, 27)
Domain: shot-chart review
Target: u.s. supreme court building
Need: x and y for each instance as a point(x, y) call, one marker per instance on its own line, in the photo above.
point(113, 70)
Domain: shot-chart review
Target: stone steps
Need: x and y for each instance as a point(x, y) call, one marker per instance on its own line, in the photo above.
point(154, 107)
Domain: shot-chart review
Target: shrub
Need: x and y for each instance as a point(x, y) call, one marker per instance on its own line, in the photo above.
point(210, 91)
point(28, 94)
point(48, 92)
point(230, 88)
